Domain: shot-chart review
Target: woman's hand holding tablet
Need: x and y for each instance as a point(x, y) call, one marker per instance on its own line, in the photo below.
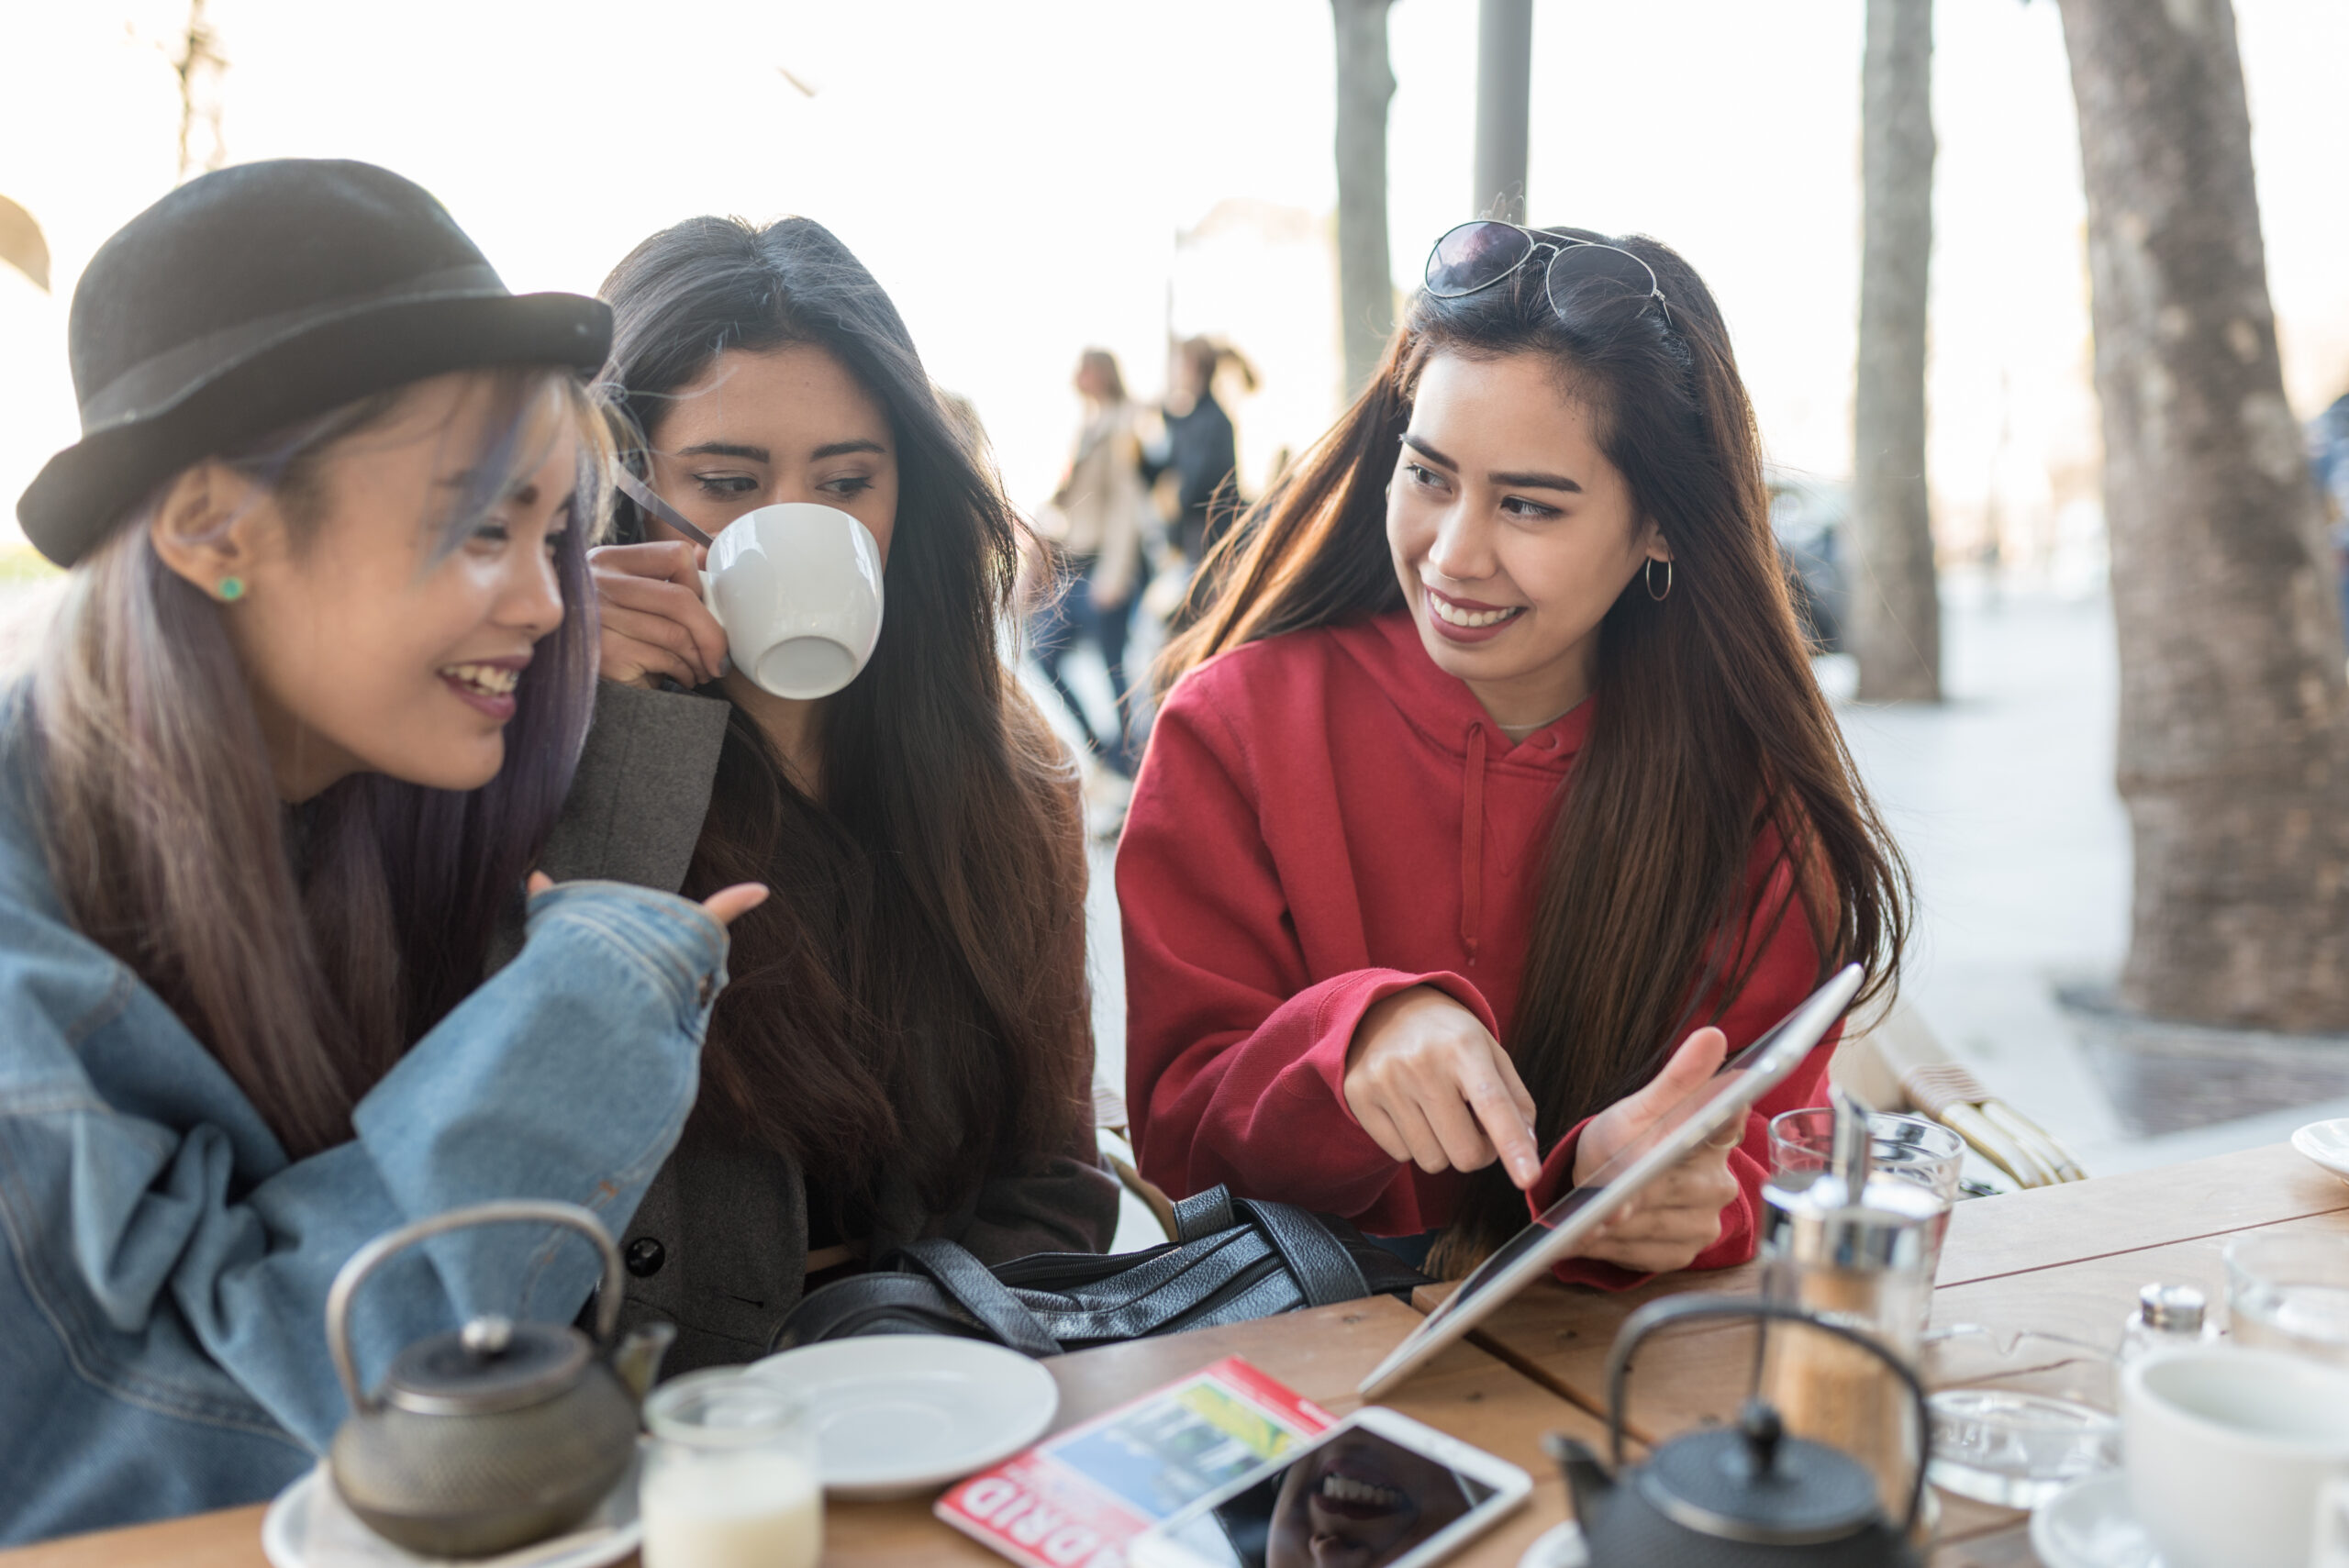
point(1668, 1223)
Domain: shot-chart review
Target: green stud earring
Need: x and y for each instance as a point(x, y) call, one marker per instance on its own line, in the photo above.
point(232, 589)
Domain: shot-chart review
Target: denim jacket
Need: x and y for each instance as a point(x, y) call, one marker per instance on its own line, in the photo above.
point(163, 1264)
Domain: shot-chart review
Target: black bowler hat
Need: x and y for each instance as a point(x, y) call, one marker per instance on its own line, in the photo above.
point(259, 297)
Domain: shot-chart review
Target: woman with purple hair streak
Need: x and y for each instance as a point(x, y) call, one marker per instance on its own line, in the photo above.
point(323, 669)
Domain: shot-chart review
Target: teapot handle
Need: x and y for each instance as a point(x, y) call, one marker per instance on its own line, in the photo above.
point(1677, 1310)
point(365, 1261)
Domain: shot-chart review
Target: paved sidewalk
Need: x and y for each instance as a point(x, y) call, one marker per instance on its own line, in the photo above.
point(2004, 800)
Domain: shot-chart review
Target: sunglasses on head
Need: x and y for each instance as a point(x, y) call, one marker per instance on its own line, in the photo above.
point(1476, 255)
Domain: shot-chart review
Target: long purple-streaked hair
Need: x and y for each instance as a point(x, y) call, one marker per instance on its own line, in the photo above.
point(307, 947)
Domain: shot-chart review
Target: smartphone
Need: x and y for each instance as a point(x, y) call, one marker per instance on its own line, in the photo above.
point(1377, 1490)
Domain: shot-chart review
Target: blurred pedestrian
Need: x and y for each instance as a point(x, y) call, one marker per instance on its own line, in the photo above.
point(2328, 458)
point(1199, 448)
point(1093, 531)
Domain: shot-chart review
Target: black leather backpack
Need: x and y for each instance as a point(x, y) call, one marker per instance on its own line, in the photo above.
point(1235, 1259)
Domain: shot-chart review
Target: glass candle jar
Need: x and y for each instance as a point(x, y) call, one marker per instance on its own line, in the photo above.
point(731, 1481)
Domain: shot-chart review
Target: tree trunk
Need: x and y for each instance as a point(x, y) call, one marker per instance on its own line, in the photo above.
point(1896, 630)
point(1504, 106)
point(2235, 714)
point(1365, 276)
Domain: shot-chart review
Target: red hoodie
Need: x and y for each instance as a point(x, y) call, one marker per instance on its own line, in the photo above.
point(1326, 819)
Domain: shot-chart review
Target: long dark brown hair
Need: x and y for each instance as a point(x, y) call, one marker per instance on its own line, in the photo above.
point(1708, 727)
point(305, 973)
point(915, 993)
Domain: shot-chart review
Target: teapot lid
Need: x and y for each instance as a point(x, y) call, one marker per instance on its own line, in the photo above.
point(1754, 1484)
point(492, 1363)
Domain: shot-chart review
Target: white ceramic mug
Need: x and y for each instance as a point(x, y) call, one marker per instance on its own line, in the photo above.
point(797, 587)
point(2227, 1452)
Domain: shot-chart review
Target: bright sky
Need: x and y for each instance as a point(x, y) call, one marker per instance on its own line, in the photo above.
point(1017, 174)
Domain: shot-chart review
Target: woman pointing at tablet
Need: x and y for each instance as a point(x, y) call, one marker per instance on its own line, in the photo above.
point(1493, 801)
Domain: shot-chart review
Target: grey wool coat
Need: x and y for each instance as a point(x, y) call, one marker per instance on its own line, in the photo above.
point(719, 1245)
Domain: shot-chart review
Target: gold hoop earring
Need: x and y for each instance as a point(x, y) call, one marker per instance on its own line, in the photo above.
point(1648, 573)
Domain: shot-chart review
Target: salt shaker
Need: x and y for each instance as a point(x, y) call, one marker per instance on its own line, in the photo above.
point(2169, 1317)
point(1853, 1251)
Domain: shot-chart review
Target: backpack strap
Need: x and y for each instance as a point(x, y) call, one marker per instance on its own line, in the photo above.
point(874, 1304)
point(974, 1288)
point(1204, 1214)
point(1326, 1273)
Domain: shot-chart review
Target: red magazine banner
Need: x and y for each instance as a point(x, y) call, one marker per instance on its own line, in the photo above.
point(1076, 1499)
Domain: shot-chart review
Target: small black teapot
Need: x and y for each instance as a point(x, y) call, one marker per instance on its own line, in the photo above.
point(1742, 1497)
point(500, 1433)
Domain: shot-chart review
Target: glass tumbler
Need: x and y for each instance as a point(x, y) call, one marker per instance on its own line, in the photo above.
point(2291, 1292)
point(1908, 1146)
point(731, 1481)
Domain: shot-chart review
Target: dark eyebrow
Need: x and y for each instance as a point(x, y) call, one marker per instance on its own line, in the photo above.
point(726, 449)
point(1428, 452)
point(1536, 482)
point(843, 449)
point(1519, 481)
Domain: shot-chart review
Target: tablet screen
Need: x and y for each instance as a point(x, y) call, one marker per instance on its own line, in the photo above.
point(1742, 1079)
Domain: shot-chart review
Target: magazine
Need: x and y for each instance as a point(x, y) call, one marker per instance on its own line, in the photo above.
point(1076, 1498)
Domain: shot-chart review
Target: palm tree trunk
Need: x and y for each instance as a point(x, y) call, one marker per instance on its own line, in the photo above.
point(1366, 275)
point(2234, 713)
point(1896, 636)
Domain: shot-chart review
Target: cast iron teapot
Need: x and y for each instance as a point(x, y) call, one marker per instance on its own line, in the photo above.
point(1742, 1497)
point(501, 1433)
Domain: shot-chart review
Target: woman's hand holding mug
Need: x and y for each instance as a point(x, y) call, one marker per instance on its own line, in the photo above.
point(1678, 1215)
point(1431, 1085)
point(654, 621)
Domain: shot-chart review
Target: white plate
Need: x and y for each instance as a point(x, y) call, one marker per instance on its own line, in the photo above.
point(309, 1526)
point(2089, 1525)
point(2327, 1143)
point(900, 1414)
point(1560, 1546)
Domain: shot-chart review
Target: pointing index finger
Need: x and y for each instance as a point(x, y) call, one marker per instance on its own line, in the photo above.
point(1509, 1127)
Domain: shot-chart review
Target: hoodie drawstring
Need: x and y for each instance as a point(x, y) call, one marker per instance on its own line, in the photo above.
point(1472, 840)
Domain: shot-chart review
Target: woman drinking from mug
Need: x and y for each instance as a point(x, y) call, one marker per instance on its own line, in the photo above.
point(906, 1047)
point(1496, 770)
point(309, 707)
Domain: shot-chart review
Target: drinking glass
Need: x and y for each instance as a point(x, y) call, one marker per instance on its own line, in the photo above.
point(731, 1481)
point(1908, 1147)
point(2017, 1414)
point(2290, 1293)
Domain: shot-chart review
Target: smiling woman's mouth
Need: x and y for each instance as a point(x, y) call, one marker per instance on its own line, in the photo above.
point(487, 688)
point(1446, 611)
point(1340, 1488)
point(487, 679)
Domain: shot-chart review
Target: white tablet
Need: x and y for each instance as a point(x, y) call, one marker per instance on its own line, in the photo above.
point(1567, 1224)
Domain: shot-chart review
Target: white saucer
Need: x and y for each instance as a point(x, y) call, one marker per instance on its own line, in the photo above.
point(2327, 1143)
point(1560, 1546)
point(2089, 1525)
point(309, 1526)
point(900, 1414)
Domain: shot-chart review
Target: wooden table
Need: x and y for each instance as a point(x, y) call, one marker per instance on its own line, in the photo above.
point(2067, 1259)
point(1322, 1354)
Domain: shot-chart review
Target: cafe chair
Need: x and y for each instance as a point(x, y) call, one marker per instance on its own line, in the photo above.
point(1896, 1063)
point(1109, 1135)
